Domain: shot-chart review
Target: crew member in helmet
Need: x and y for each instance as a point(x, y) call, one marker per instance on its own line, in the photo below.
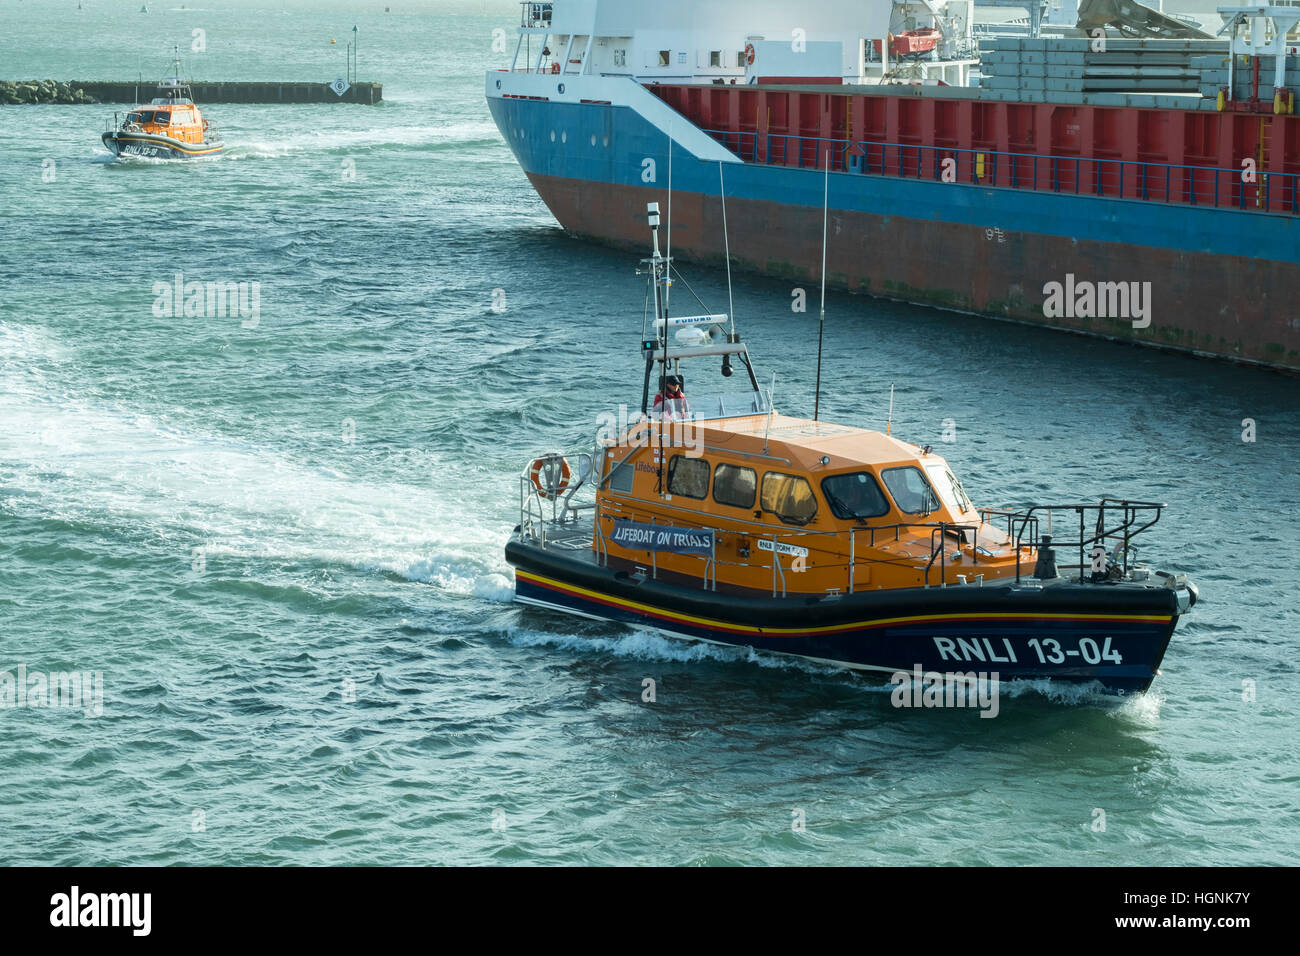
point(671, 403)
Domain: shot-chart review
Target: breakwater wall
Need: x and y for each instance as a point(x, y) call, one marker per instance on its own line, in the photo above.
point(130, 92)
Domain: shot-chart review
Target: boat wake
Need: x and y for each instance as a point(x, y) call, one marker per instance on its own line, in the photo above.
point(634, 644)
point(349, 142)
point(247, 508)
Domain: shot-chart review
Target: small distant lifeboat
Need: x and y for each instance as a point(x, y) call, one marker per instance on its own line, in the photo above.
point(169, 127)
point(712, 517)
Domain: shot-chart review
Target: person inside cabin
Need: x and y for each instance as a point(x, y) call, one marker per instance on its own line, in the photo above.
point(672, 403)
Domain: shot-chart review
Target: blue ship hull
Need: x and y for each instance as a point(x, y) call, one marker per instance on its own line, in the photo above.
point(1218, 281)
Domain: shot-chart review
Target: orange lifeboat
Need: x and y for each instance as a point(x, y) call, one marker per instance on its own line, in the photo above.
point(168, 127)
point(713, 517)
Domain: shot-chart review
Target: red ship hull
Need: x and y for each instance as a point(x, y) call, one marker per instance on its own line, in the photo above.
point(960, 267)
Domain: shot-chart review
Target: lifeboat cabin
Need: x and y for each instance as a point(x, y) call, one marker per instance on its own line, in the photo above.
point(713, 517)
point(170, 127)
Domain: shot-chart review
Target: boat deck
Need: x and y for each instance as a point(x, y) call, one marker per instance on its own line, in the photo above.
point(571, 538)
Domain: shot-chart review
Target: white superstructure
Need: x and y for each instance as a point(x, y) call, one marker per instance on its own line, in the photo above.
point(744, 41)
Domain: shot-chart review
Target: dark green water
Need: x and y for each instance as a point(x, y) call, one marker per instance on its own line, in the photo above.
point(128, 440)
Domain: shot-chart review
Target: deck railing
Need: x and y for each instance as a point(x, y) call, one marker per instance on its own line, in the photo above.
point(1116, 178)
point(1114, 524)
point(939, 533)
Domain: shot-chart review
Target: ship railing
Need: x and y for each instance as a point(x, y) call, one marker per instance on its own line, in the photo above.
point(1195, 185)
point(540, 515)
point(119, 125)
point(1106, 532)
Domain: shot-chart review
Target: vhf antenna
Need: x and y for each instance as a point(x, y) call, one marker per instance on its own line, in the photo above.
point(821, 321)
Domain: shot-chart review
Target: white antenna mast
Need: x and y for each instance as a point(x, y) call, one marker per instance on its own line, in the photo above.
point(821, 321)
point(669, 273)
point(726, 245)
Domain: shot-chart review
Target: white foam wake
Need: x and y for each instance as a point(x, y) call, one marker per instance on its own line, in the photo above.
point(67, 457)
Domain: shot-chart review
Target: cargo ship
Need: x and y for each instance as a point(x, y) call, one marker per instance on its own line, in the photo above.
point(1136, 180)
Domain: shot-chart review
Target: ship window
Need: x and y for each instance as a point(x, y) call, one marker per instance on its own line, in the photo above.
point(740, 59)
point(688, 476)
point(911, 491)
point(855, 496)
point(715, 58)
point(665, 57)
point(789, 497)
point(735, 486)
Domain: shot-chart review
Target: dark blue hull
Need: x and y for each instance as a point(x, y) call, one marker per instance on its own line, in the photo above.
point(144, 146)
point(1113, 634)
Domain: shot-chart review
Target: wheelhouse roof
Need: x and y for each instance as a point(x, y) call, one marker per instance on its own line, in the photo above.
point(804, 442)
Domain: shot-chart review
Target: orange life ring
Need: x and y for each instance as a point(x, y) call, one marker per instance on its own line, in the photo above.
point(555, 67)
point(749, 53)
point(542, 466)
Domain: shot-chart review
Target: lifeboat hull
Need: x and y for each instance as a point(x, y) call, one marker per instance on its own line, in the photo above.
point(1112, 634)
point(153, 146)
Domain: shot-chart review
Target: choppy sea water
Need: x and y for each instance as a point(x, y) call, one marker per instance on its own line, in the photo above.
point(282, 545)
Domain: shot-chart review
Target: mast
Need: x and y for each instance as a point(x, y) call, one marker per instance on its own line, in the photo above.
point(660, 267)
point(821, 320)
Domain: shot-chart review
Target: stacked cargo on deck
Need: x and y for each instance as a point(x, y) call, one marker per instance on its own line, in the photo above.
point(1062, 70)
point(1214, 74)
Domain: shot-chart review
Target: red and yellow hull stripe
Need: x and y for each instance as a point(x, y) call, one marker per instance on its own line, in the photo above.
point(176, 145)
point(662, 614)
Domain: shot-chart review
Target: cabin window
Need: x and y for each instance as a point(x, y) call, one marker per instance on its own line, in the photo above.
point(855, 496)
point(740, 59)
point(735, 486)
point(912, 493)
point(665, 57)
point(949, 489)
point(688, 476)
point(715, 58)
point(789, 497)
point(620, 477)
